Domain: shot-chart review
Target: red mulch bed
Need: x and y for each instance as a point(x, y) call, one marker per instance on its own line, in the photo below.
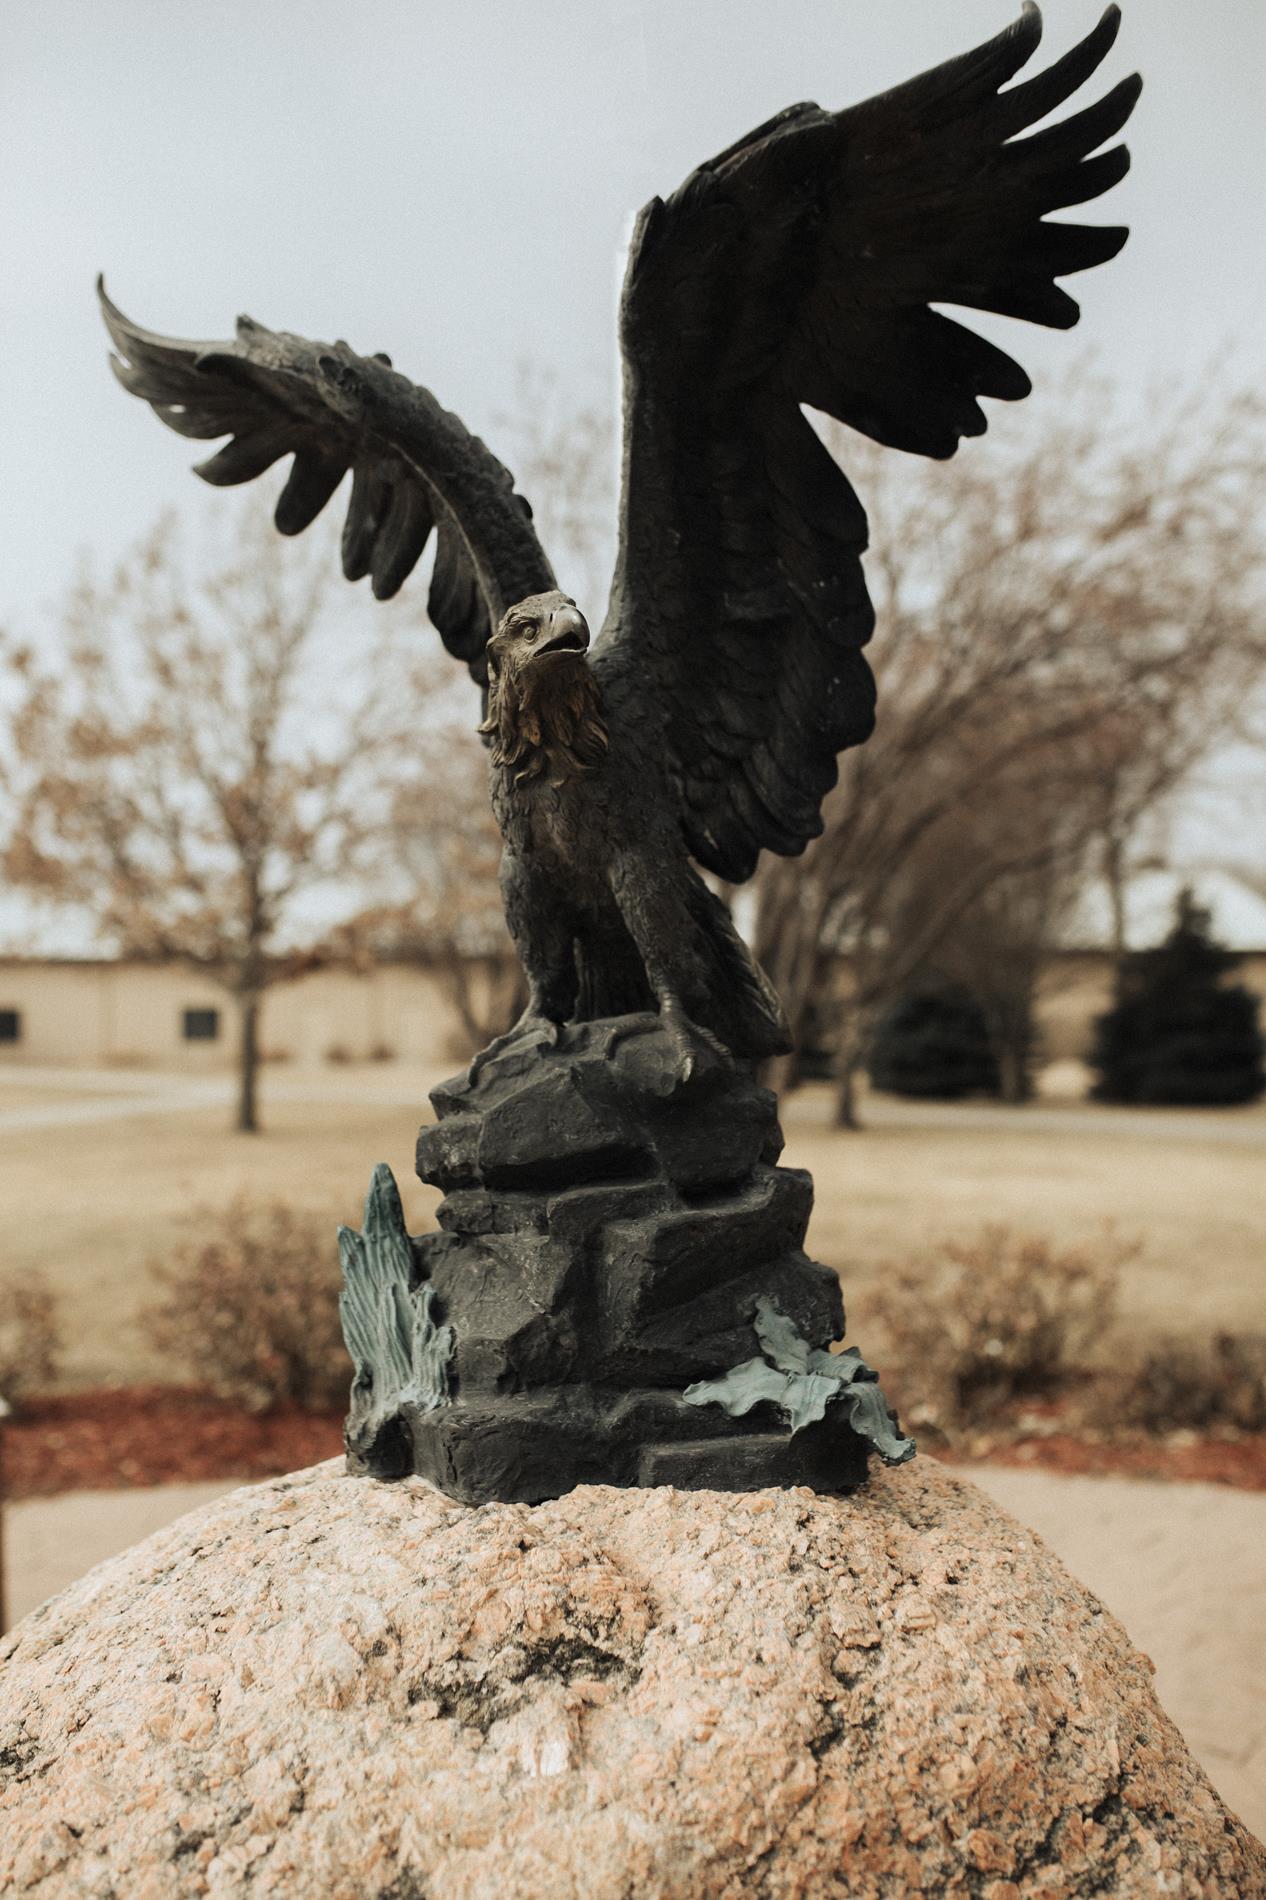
point(142, 1435)
point(155, 1434)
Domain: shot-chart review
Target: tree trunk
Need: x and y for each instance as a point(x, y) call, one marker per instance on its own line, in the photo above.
point(848, 1061)
point(247, 1122)
point(1114, 878)
point(1009, 1020)
point(493, 1002)
point(846, 1099)
point(1012, 1072)
point(781, 1073)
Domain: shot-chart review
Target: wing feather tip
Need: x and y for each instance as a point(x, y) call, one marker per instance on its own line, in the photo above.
point(1110, 241)
point(114, 317)
point(1102, 35)
point(1028, 27)
point(115, 321)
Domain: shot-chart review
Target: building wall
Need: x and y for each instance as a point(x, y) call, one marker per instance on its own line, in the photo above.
point(108, 1014)
point(390, 1012)
point(131, 1015)
point(1072, 992)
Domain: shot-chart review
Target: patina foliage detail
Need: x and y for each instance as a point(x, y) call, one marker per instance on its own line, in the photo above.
point(400, 1354)
point(802, 1380)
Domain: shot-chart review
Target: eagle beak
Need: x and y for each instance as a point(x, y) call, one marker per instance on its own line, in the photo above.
point(568, 632)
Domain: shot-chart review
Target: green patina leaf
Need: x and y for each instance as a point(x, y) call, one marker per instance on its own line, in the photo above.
point(785, 1347)
point(802, 1380)
point(401, 1356)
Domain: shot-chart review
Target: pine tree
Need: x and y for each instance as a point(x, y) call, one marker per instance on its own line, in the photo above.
point(934, 1043)
point(1177, 1032)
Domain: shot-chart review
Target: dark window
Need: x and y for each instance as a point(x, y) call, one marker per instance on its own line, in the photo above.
point(202, 1025)
point(10, 1025)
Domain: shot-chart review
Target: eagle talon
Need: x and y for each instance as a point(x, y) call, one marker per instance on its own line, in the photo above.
point(529, 1022)
point(685, 1035)
point(623, 1029)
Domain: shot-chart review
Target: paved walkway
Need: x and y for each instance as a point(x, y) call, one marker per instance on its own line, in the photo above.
point(1184, 1568)
point(106, 1095)
point(1240, 1127)
point(94, 1095)
point(1182, 1565)
point(51, 1541)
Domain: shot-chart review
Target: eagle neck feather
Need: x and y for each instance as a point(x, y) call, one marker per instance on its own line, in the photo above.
point(547, 723)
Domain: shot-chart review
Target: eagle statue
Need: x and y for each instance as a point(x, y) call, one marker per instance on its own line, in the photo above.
point(804, 267)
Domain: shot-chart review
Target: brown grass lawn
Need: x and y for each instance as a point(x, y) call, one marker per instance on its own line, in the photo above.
point(93, 1204)
point(1197, 1205)
point(18, 1095)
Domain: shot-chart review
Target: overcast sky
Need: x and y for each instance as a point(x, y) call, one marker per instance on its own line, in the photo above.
point(452, 180)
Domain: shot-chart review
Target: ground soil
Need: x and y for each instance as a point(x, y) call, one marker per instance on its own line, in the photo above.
point(116, 1193)
point(146, 1435)
point(116, 1179)
point(1239, 1462)
point(149, 1435)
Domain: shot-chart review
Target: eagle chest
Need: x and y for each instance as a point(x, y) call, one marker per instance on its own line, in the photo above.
point(545, 823)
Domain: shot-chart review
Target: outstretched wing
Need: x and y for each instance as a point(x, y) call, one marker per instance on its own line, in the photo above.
point(801, 266)
point(414, 466)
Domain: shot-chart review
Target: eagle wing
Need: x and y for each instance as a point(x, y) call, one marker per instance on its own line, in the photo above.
point(414, 466)
point(801, 267)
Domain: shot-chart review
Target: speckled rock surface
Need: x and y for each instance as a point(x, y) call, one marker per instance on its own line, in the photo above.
point(327, 1689)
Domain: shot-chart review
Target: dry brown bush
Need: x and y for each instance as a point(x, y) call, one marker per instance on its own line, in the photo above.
point(250, 1307)
point(1180, 1384)
point(30, 1336)
point(977, 1324)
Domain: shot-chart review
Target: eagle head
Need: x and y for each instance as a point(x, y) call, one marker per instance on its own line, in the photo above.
point(544, 711)
point(545, 630)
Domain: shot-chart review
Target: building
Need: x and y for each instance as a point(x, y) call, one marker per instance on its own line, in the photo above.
point(107, 1013)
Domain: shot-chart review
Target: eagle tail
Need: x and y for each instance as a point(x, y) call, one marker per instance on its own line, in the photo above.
point(739, 1003)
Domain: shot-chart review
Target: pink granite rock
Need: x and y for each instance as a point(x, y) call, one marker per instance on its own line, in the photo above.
point(328, 1689)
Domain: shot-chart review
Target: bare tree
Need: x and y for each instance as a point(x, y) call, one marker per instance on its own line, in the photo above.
point(438, 903)
point(563, 456)
point(201, 752)
point(1064, 630)
point(1251, 876)
point(998, 949)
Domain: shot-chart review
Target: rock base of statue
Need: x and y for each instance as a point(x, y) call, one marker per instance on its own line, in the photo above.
point(319, 1687)
point(618, 1293)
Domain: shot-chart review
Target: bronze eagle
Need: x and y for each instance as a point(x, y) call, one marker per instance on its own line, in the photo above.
point(799, 268)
